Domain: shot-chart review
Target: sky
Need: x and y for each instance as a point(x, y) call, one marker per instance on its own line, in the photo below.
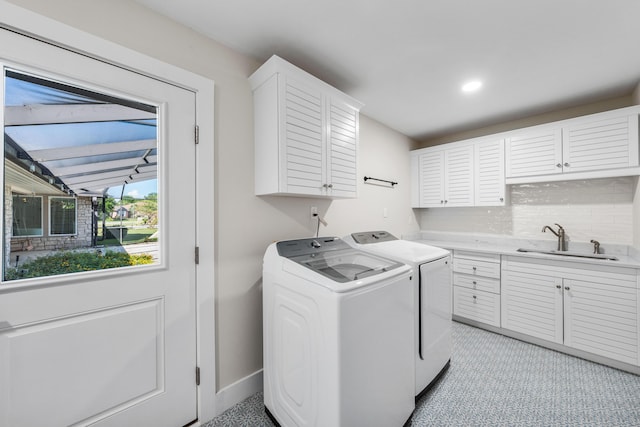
point(137, 190)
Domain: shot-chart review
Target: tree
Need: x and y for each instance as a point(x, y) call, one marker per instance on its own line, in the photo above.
point(109, 204)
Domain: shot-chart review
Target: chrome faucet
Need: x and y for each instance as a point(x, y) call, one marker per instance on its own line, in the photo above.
point(596, 246)
point(560, 234)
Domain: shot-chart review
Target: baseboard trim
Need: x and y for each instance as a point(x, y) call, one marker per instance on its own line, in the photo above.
point(238, 391)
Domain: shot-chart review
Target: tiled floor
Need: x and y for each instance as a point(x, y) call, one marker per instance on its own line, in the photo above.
point(498, 381)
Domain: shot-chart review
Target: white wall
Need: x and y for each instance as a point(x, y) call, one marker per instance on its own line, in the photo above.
point(246, 224)
point(601, 209)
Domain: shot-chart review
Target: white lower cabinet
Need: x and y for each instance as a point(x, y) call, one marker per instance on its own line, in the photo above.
point(476, 286)
point(592, 308)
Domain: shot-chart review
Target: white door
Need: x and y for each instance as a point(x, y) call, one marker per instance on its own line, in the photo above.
point(113, 347)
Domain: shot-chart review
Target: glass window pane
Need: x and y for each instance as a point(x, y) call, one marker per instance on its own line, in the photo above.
point(80, 179)
point(27, 216)
point(62, 215)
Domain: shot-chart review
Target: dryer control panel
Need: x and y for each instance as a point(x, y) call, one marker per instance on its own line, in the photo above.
point(367, 237)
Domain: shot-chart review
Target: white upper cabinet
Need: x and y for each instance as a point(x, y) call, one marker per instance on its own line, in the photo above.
point(444, 177)
point(468, 173)
point(458, 176)
point(534, 153)
point(600, 144)
point(306, 134)
point(490, 188)
point(430, 179)
point(595, 146)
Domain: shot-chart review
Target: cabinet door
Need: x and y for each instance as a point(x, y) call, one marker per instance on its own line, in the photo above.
point(601, 144)
point(489, 173)
point(458, 178)
point(303, 147)
point(532, 304)
point(342, 149)
point(534, 154)
point(601, 319)
point(431, 179)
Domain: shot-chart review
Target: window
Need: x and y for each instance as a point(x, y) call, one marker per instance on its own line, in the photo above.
point(62, 216)
point(78, 154)
point(27, 216)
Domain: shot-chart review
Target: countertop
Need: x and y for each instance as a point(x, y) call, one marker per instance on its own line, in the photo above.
point(505, 245)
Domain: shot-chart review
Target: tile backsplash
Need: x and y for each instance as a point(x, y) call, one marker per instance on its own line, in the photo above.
point(600, 209)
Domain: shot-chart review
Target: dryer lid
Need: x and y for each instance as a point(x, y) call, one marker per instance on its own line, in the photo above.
point(333, 258)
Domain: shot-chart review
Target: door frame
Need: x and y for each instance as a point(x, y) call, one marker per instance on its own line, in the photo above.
point(43, 28)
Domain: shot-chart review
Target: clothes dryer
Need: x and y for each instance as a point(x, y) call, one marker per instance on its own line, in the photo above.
point(432, 286)
point(338, 338)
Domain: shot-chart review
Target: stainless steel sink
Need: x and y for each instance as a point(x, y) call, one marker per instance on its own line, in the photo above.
point(570, 254)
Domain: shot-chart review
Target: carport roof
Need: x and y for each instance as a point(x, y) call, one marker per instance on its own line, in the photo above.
point(81, 141)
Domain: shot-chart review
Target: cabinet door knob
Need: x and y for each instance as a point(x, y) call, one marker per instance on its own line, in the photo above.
point(502, 199)
point(474, 282)
point(475, 297)
point(566, 288)
point(559, 165)
point(474, 269)
point(566, 164)
point(446, 201)
point(330, 186)
point(441, 201)
point(558, 286)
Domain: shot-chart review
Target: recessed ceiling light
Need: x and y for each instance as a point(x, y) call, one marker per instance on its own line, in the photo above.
point(471, 86)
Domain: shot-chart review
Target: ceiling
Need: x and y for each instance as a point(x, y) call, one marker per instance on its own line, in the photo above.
point(407, 59)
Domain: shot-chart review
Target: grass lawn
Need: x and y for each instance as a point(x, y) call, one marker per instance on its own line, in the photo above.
point(134, 235)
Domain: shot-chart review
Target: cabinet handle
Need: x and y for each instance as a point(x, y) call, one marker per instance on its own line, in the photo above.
point(567, 164)
point(559, 165)
point(474, 282)
point(558, 286)
point(502, 199)
point(474, 269)
point(330, 186)
point(475, 298)
point(446, 201)
point(441, 201)
point(566, 288)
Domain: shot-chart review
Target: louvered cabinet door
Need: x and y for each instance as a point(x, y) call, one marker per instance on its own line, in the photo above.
point(534, 154)
point(458, 178)
point(303, 149)
point(489, 173)
point(532, 303)
point(431, 179)
point(342, 153)
point(601, 144)
point(602, 318)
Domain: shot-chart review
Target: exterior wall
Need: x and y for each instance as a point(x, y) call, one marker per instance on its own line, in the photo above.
point(81, 240)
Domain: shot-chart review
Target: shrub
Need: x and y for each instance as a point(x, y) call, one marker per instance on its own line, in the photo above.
point(74, 262)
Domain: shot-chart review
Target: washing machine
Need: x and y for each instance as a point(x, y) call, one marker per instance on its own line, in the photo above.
point(432, 276)
point(338, 338)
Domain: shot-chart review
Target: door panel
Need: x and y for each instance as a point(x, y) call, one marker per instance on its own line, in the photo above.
point(113, 347)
